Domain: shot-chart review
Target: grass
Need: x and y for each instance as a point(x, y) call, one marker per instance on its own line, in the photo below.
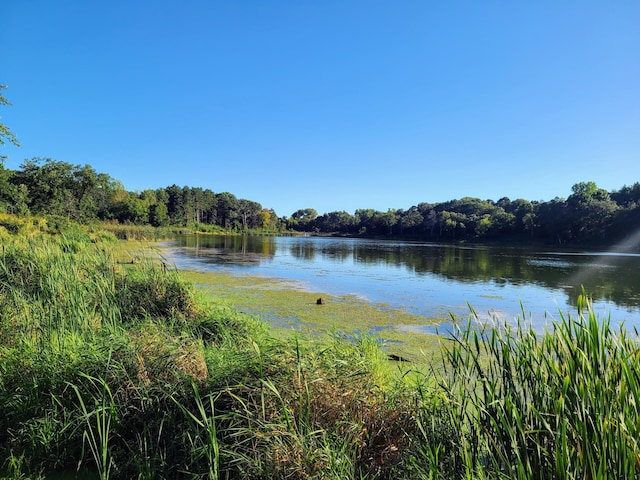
point(124, 369)
point(563, 404)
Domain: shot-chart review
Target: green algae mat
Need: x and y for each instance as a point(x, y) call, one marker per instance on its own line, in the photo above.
point(287, 307)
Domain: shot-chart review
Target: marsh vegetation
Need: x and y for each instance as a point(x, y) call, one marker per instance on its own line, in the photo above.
point(125, 369)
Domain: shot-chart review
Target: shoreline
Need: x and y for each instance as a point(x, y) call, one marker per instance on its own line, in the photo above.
point(289, 308)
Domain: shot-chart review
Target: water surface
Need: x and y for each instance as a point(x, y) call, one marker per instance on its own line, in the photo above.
point(432, 280)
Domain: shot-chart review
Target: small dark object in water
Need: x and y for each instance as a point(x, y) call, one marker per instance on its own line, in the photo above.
point(397, 358)
point(320, 301)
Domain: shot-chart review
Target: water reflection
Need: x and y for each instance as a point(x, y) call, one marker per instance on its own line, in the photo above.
point(434, 277)
point(229, 249)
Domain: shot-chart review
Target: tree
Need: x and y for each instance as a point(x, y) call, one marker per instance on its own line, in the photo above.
point(227, 209)
point(50, 184)
point(265, 218)
point(364, 220)
point(553, 220)
point(249, 213)
point(584, 189)
point(301, 219)
point(159, 213)
point(411, 218)
point(389, 219)
point(627, 196)
point(6, 135)
point(431, 221)
point(592, 211)
point(337, 221)
point(7, 189)
point(132, 209)
point(175, 205)
point(529, 223)
point(158, 216)
point(209, 206)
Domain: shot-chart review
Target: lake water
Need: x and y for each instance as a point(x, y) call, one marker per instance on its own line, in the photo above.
point(429, 279)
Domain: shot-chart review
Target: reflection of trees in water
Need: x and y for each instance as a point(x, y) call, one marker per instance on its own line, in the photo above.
point(337, 251)
point(229, 249)
point(610, 278)
point(303, 250)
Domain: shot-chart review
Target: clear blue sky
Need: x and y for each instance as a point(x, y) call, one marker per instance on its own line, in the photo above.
point(329, 104)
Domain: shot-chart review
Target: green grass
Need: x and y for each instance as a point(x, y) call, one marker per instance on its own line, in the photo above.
point(563, 404)
point(124, 369)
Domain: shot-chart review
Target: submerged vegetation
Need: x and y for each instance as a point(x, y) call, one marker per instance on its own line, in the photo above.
point(123, 369)
point(287, 308)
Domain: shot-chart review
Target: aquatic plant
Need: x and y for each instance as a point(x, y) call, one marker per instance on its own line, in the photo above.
point(561, 404)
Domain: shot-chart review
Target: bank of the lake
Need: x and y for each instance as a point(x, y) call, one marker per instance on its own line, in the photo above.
point(112, 361)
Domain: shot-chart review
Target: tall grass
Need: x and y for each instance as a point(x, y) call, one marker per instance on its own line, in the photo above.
point(563, 404)
point(118, 367)
point(98, 412)
point(140, 232)
point(122, 369)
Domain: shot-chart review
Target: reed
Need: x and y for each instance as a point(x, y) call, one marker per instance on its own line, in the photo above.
point(126, 369)
point(563, 404)
point(98, 413)
point(203, 442)
point(132, 232)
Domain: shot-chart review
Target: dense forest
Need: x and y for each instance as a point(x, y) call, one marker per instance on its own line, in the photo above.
point(50, 187)
point(589, 215)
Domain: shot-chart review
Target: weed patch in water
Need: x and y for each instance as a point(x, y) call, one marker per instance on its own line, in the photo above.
point(287, 306)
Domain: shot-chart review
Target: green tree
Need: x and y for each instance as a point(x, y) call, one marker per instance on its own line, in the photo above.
point(627, 196)
point(21, 200)
point(364, 220)
point(338, 221)
point(6, 135)
point(529, 223)
point(158, 215)
point(584, 190)
point(301, 219)
point(410, 219)
point(249, 213)
point(132, 209)
point(553, 219)
point(175, 205)
point(50, 184)
point(227, 209)
point(592, 211)
point(7, 189)
point(430, 221)
point(60, 188)
point(209, 206)
point(389, 219)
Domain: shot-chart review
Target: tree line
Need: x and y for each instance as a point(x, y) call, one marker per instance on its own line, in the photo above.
point(49, 187)
point(589, 215)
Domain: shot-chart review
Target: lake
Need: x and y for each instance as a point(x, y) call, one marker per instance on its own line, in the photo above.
point(433, 280)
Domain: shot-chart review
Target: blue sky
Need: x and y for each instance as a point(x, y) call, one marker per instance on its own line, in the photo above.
point(332, 104)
